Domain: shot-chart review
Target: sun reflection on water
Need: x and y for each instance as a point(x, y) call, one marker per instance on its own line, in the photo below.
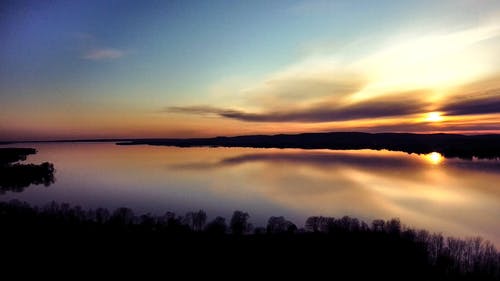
point(434, 158)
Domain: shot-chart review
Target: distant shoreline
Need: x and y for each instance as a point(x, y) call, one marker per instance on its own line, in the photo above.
point(238, 136)
point(449, 145)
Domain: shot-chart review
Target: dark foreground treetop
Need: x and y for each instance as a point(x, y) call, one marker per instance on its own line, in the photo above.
point(337, 248)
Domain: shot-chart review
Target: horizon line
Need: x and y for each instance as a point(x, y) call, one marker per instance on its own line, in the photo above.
point(111, 139)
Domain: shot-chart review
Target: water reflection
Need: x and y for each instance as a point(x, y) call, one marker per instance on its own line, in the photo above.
point(446, 195)
point(18, 177)
point(451, 195)
point(320, 159)
point(434, 158)
point(15, 177)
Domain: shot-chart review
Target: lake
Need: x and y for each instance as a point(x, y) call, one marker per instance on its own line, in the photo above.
point(452, 196)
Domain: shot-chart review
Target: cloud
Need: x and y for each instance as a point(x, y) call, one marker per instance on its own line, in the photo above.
point(323, 112)
point(438, 60)
point(477, 104)
point(91, 49)
point(307, 82)
point(104, 54)
point(382, 87)
point(197, 109)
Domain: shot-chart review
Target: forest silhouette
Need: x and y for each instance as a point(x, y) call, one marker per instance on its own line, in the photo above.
point(382, 249)
point(449, 145)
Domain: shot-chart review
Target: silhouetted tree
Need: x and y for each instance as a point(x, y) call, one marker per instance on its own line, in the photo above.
point(436, 246)
point(122, 216)
point(259, 230)
point(344, 224)
point(102, 215)
point(217, 226)
point(280, 225)
point(239, 223)
point(51, 208)
point(196, 220)
point(393, 226)
point(173, 223)
point(170, 218)
point(188, 219)
point(10, 155)
point(199, 220)
point(315, 224)
point(378, 225)
point(148, 221)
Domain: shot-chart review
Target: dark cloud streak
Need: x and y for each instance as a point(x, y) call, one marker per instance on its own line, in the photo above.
point(324, 112)
point(484, 105)
point(397, 105)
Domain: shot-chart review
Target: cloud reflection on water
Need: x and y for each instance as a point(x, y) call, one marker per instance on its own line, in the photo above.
point(453, 195)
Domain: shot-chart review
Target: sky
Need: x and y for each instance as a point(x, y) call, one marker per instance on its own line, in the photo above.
point(153, 69)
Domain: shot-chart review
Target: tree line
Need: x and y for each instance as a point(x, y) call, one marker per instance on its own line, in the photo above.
point(449, 145)
point(449, 258)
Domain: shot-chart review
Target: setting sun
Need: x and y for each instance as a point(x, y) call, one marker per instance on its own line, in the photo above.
point(434, 117)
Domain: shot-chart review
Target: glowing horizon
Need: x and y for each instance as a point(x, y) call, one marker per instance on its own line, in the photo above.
point(136, 70)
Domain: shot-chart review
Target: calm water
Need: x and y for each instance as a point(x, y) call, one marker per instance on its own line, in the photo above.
point(452, 196)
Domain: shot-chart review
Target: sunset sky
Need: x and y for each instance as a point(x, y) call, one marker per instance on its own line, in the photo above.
point(138, 69)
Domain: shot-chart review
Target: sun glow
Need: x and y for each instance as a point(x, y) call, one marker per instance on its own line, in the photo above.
point(434, 158)
point(434, 117)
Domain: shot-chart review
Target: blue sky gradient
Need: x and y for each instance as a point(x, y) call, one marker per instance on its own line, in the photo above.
point(71, 63)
